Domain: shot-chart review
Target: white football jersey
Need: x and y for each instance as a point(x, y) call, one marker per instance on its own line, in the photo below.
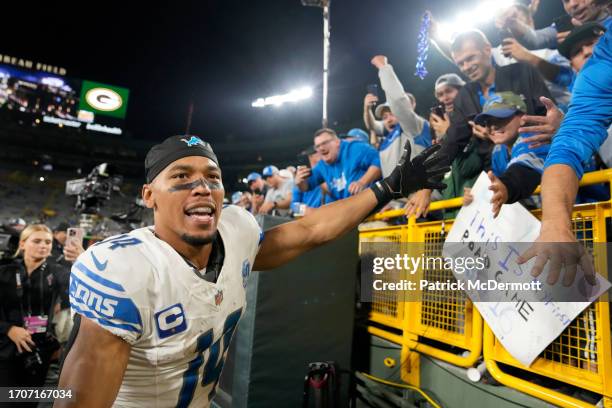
point(179, 325)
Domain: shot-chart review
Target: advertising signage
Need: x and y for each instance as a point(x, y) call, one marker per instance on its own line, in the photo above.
point(103, 99)
point(49, 99)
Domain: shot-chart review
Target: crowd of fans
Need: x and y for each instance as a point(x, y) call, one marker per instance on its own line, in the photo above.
point(500, 118)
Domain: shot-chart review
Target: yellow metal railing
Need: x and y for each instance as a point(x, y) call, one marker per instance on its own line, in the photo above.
point(387, 308)
point(447, 317)
point(580, 356)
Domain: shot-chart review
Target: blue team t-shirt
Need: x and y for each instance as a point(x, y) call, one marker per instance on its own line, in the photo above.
point(354, 159)
point(311, 198)
point(521, 153)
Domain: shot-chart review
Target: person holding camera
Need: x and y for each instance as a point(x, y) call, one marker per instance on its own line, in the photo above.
point(446, 88)
point(471, 52)
point(467, 165)
point(554, 68)
point(578, 12)
point(27, 292)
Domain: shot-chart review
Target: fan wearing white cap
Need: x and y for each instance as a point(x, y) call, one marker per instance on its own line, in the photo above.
point(278, 197)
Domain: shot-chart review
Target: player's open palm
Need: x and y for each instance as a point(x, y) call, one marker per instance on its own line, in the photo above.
point(426, 170)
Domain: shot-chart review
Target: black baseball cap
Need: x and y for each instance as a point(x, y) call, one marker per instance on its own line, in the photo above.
point(174, 148)
point(578, 35)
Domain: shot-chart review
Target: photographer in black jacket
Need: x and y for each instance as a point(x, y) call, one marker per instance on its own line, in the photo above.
point(27, 292)
point(471, 52)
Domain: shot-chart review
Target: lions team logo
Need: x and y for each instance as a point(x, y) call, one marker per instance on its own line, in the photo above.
point(246, 269)
point(193, 141)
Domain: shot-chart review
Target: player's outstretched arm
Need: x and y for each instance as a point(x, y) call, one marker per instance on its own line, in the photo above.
point(287, 241)
point(94, 367)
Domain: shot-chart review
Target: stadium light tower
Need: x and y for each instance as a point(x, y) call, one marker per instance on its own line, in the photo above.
point(324, 4)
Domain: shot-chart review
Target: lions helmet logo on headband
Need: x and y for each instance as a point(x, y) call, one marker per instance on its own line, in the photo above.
point(194, 141)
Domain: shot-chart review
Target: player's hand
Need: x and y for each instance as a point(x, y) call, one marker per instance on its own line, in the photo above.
point(439, 125)
point(544, 127)
point(370, 100)
point(500, 193)
point(22, 339)
point(468, 197)
point(379, 61)
point(72, 251)
point(480, 132)
point(557, 244)
point(418, 204)
point(356, 187)
point(514, 49)
point(424, 171)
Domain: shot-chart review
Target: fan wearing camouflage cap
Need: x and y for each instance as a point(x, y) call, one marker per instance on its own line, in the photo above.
point(516, 169)
point(157, 307)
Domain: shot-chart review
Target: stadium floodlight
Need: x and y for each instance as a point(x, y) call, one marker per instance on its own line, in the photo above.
point(278, 100)
point(484, 12)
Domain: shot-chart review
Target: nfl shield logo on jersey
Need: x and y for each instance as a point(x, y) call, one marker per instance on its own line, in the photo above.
point(219, 297)
point(246, 269)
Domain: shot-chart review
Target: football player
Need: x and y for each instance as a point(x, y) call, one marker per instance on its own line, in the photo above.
point(158, 306)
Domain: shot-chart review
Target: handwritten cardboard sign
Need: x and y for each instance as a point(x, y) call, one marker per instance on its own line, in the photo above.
point(525, 322)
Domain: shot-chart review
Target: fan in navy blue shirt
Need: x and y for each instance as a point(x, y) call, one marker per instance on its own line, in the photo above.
point(346, 167)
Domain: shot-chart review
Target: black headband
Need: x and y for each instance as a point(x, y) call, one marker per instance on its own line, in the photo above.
point(172, 149)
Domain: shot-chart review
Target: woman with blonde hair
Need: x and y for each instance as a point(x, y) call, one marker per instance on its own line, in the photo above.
point(27, 291)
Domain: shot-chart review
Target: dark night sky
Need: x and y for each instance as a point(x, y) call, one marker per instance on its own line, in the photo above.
point(224, 54)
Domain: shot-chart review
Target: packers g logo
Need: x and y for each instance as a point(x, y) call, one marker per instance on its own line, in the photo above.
point(104, 99)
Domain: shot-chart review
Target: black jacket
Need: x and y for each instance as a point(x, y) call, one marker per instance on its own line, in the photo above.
point(62, 272)
point(523, 80)
point(14, 303)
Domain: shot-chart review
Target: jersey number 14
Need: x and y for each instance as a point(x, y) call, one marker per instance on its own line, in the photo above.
point(214, 365)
